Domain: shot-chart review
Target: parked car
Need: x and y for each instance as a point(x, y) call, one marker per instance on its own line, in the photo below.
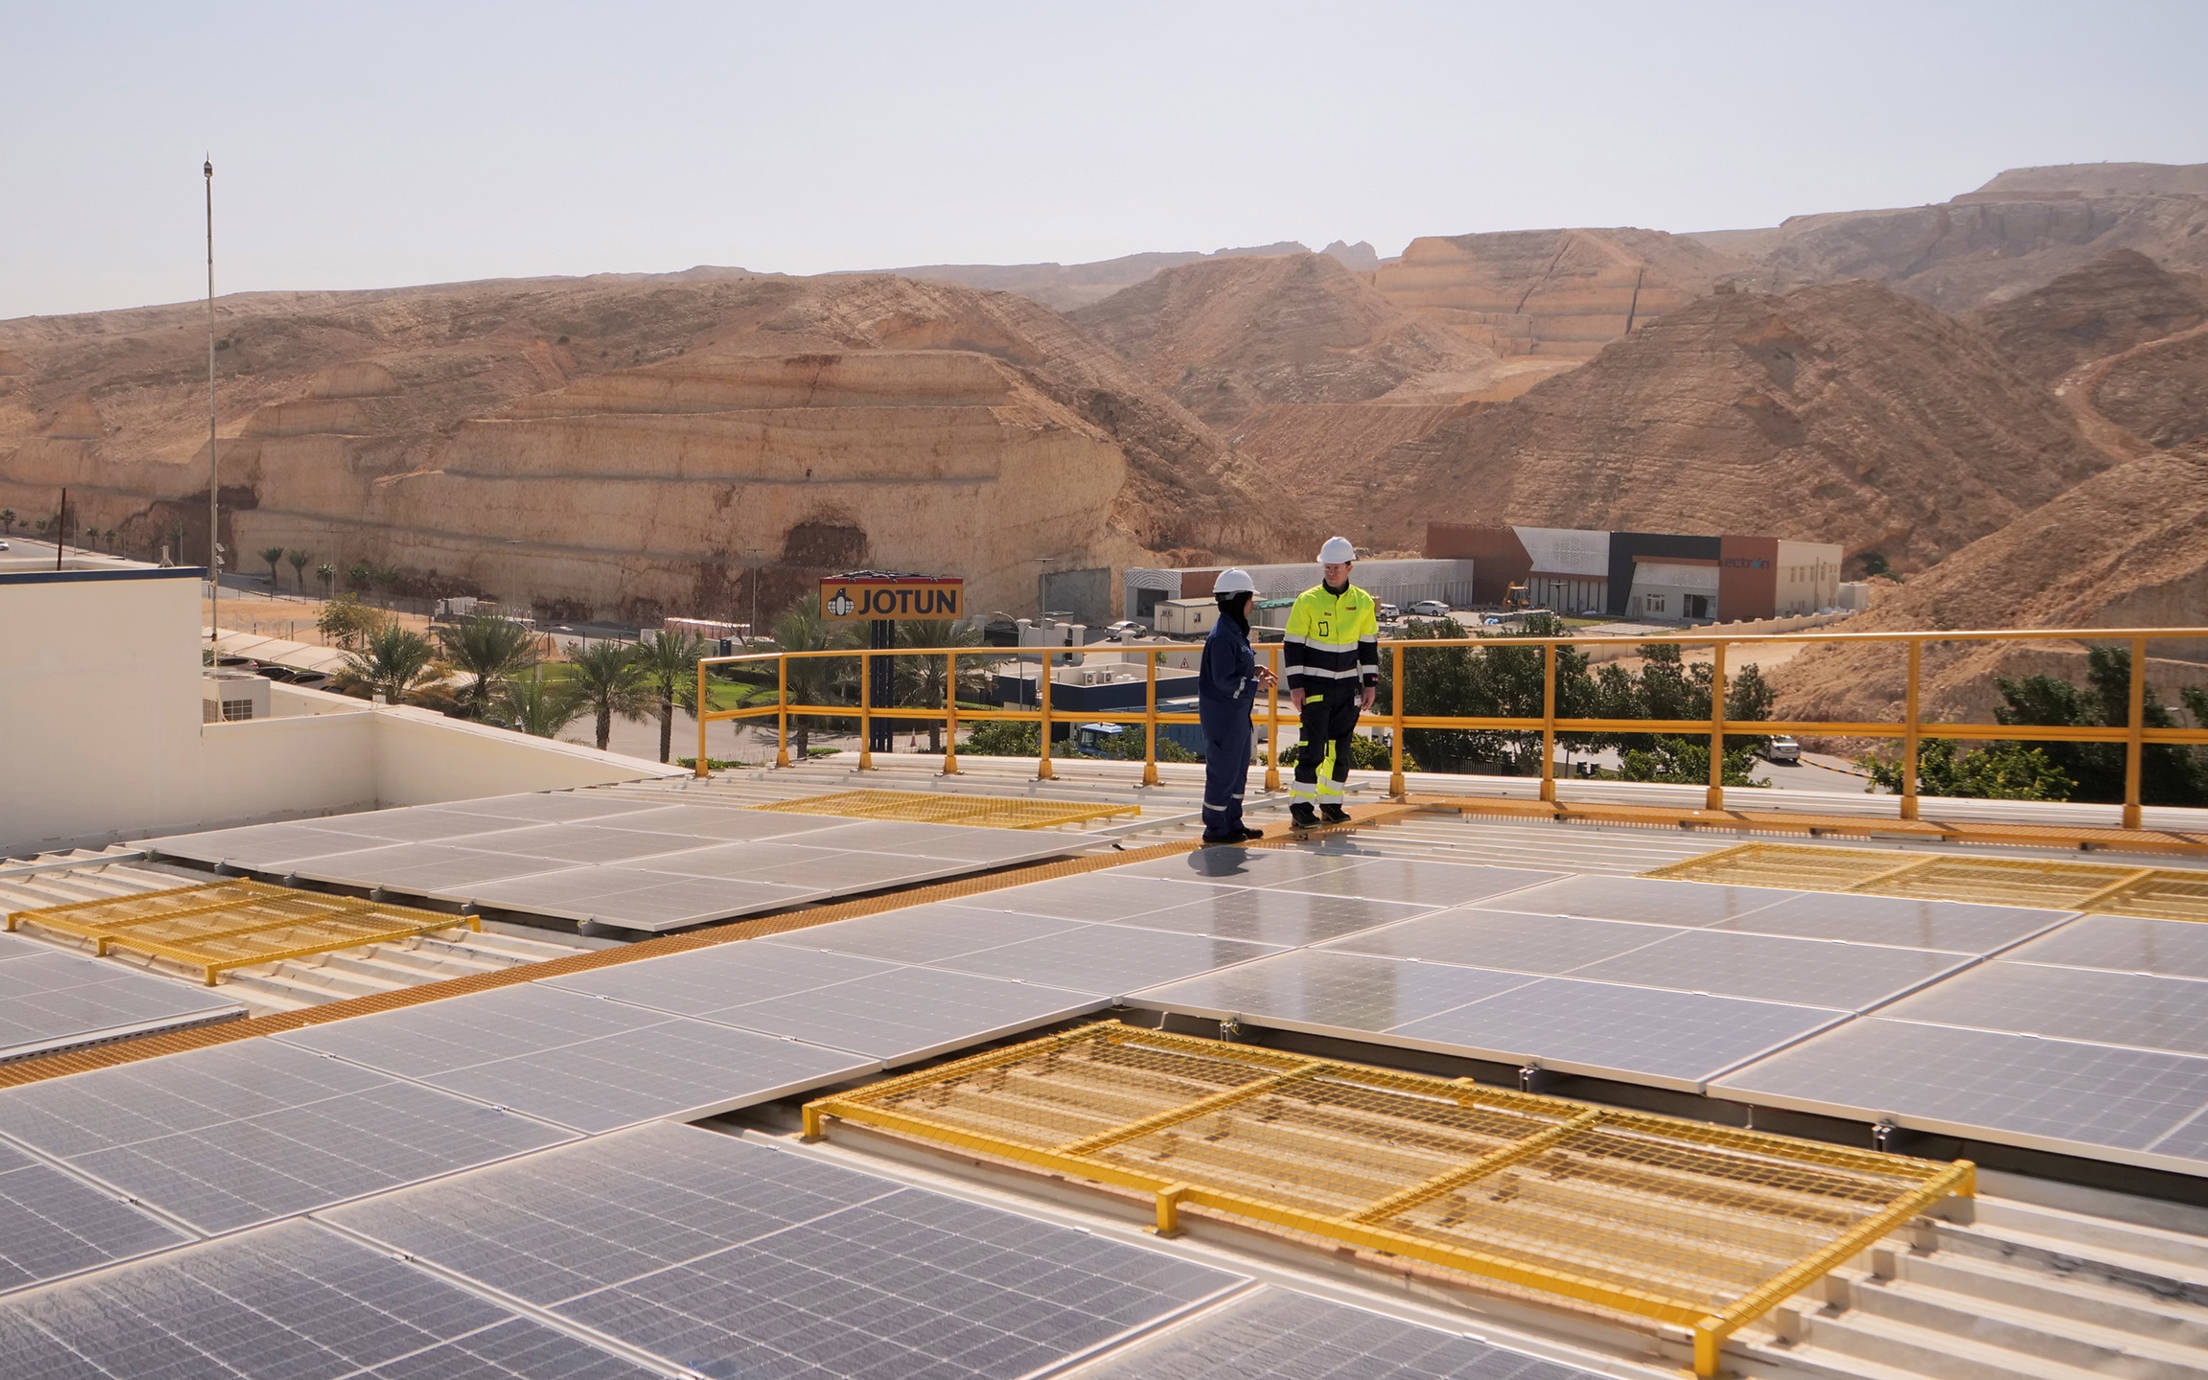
point(1430, 608)
point(1782, 749)
point(1124, 628)
point(1389, 613)
point(3, 546)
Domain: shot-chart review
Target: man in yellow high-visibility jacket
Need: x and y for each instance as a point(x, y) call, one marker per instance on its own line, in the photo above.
point(1332, 657)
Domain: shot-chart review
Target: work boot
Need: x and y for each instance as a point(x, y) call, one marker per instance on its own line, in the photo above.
point(1231, 836)
point(1334, 814)
point(1250, 835)
point(1302, 816)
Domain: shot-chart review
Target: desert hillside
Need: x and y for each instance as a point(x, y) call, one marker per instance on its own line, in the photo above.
point(2125, 548)
point(1846, 413)
point(630, 444)
point(1064, 287)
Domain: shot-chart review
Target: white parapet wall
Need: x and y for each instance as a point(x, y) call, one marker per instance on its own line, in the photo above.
point(102, 734)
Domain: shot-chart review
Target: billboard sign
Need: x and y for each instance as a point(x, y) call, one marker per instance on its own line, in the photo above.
point(864, 598)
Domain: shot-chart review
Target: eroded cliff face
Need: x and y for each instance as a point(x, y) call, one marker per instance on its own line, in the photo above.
point(1845, 413)
point(1558, 294)
point(641, 445)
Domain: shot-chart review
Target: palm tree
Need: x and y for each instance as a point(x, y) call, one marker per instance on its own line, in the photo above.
point(7, 521)
point(608, 681)
point(299, 561)
point(670, 665)
point(393, 662)
point(802, 629)
point(491, 650)
point(269, 556)
point(359, 576)
point(41, 525)
point(922, 680)
point(327, 574)
point(538, 705)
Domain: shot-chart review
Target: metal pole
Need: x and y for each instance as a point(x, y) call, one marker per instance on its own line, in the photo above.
point(1714, 797)
point(1272, 720)
point(214, 482)
point(866, 710)
point(1910, 727)
point(950, 714)
point(1396, 787)
point(1150, 719)
point(1548, 723)
point(1043, 769)
point(702, 773)
point(2134, 732)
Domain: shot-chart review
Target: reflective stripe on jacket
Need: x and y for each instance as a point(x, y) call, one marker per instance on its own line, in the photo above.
point(1332, 638)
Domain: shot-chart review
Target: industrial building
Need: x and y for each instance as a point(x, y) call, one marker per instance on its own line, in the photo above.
point(1399, 582)
point(1646, 576)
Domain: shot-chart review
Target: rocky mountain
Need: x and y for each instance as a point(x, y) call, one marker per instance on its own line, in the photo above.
point(1063, 287)
point(2124, 548)
point(2116, 302)
point(1228, 337)
point(2021, 229)
point(1847, 413)
point(639, 444)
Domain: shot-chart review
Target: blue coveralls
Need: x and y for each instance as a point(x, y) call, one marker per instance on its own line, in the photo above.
point(1225, 691)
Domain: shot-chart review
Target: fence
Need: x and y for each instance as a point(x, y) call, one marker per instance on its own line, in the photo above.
point(1910, 729)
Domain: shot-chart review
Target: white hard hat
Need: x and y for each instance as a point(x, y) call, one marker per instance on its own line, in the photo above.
point(1235, 581)
point(1337, 551)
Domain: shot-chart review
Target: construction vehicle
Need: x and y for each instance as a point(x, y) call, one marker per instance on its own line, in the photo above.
point(1515, 598)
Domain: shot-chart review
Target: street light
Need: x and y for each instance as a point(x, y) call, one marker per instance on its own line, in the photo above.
point(214, 482)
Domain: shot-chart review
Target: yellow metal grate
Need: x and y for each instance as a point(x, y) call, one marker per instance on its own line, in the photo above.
point(2164, 893)
point(926, 807)
point(1644, 1218)
point(234, 924)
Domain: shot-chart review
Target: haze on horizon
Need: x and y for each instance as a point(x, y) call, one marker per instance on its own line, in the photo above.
point(413, 143)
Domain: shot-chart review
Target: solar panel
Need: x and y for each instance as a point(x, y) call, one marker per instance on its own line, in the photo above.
point(261, 847)
point(1276, 917)
point(708, 982)
point(1671, 1039)
point(575, 1219)
point(1250, 866)
point(721, 822)
point(238, 1134)
point(51, 1000)
point(1278, 1335)
point(922, 934)
point(557, 806)
point(954, 842)
point(910, 1013)
point(1956, 926)
point(742, 859)
point(675, 1067)
point(294, 1300)
point(912, 1285)
point(52, 1224)
point(439, 1036)
point(1096, 896)
point(1109, 960)
point(2123, 943)
point(1507, 940)
point(13, 947)
point(419, 868)
point(638, 899)
point(573, 844)
point(845, 872)
point(1323, 992)
point(2021, 1088)
point(239, 1173)
point(2136, 1009)
point(1646, 899)
point(1430, 884)
point(423, 824)
point(1802, 972)
point(2188, 1141)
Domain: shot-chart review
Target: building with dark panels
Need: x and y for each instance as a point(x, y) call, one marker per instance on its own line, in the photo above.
point(1644, 575)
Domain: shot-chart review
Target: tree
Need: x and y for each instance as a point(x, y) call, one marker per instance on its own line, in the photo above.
point(924, 680)
point(538, 704)
point(270, 555)
point(386, 579)
point(393, 661)
point(7, 521)
point(345, 620)
point(299, 561)
point(2169, 773)
point(491, 651)
point(1997, 771)
point(811, 679)
point(669, 662)
point(1684, 761)
point(1875, 563)
point(359, 577)
point(41, 525)
point(608, 681)
point(327, 574)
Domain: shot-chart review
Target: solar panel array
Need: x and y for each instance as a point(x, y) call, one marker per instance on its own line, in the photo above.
point(53, 1001)
point(596, 857)
point(733, 1258)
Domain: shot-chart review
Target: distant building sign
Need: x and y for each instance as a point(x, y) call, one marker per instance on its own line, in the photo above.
point(862, 598)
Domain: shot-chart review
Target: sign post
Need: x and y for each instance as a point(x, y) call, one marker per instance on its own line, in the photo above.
point(883, 599)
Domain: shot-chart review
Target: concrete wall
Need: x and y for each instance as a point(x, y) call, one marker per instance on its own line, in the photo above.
point(1808, 576)
point(101, 735)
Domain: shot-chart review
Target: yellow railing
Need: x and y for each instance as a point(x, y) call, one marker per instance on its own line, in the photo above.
point(1910, 729)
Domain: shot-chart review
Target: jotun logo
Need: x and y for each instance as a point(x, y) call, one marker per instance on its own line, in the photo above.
point(892, 599)
point(841, 605)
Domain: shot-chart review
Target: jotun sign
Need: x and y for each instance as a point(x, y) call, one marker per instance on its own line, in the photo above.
point(846, 599)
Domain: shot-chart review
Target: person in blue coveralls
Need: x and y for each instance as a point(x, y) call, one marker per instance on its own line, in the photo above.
point(1225, 692)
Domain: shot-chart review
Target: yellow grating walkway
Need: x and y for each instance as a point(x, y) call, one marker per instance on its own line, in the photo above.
point(1645, 1218)
point(926, 807)
point(2163, 893)
point(234, 924)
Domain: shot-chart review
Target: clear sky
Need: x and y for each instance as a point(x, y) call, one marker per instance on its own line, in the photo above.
point(368, 145)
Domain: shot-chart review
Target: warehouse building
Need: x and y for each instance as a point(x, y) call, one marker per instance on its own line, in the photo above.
point(1398, 582)
point(1645, 575)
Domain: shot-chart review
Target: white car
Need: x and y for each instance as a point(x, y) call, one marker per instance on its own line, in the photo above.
point(1782, 749)
point(1124, 628)
point(3, 546)
point(1430, 608)
point(1389, 613)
